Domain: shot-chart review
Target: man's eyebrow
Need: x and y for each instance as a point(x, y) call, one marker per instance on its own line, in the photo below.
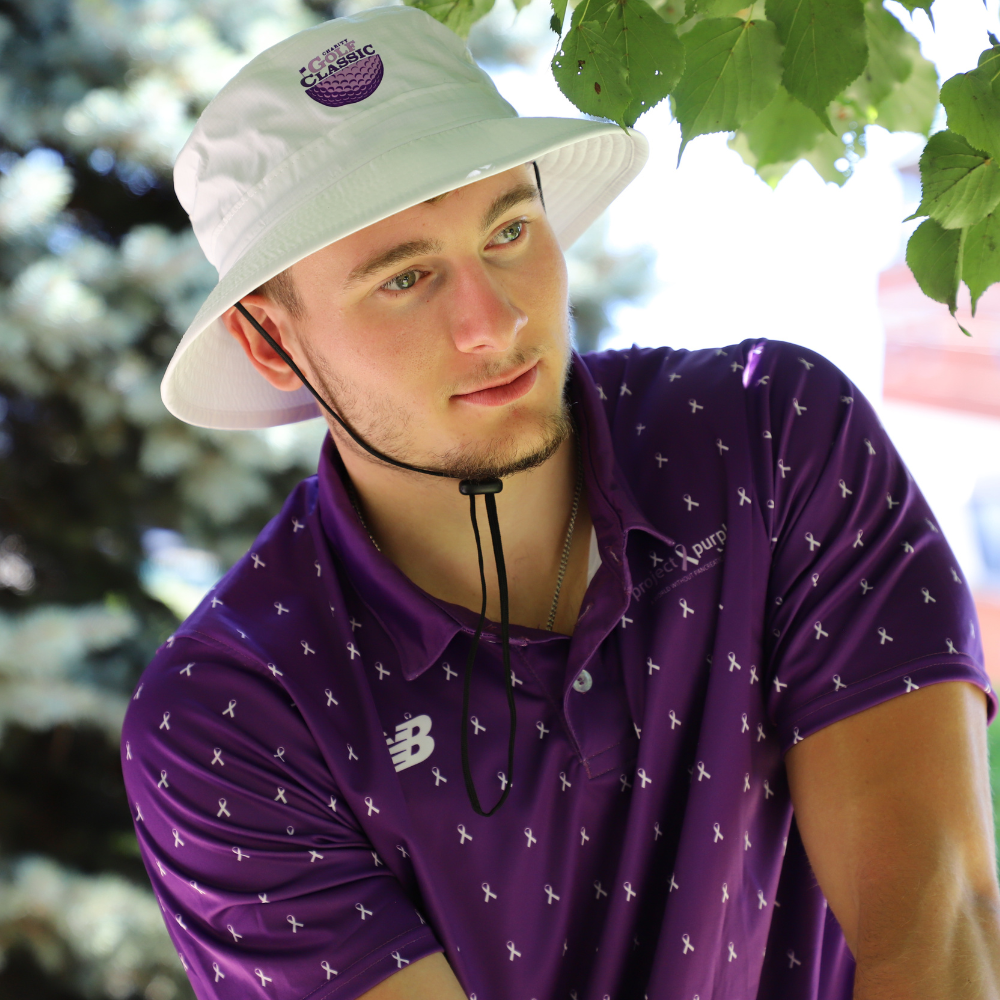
point(506, 201)
point(383, 259)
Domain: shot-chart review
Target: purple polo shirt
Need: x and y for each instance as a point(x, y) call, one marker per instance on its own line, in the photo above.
point(766, 567)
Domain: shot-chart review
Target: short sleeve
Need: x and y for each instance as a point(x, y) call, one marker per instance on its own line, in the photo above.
point(267, 883)
point(865, 599)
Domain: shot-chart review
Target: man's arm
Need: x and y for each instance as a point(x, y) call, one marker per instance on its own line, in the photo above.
point(895, 812)
point(430, 978)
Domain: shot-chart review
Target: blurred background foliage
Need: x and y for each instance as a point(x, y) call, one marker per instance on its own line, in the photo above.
point(114, 516)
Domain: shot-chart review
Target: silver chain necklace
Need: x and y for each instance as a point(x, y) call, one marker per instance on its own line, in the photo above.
point(566, 547)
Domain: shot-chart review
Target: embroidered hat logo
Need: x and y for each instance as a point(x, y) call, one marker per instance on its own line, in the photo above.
point(342, 74)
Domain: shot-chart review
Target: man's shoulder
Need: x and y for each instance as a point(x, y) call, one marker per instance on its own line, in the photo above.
point(629, 378)
point(649, 365)
point(270, 577)
point(652, 385)
point(638, 374)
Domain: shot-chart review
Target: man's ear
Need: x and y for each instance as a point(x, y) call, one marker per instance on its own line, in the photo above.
point(273, 318)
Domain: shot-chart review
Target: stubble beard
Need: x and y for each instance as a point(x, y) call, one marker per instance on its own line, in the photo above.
point(385, 427)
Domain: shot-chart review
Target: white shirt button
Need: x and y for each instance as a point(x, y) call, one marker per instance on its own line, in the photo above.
point(584, 682)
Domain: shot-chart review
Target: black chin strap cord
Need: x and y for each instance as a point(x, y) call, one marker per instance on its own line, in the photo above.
point(471, 488)
point(491, 512)
point(283, 354)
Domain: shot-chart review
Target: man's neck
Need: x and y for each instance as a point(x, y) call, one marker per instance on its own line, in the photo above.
point(422, 525)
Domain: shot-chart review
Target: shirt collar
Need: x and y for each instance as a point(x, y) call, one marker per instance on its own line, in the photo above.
point(421, 626)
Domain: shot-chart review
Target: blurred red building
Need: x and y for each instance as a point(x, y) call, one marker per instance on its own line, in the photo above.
point(929, 361)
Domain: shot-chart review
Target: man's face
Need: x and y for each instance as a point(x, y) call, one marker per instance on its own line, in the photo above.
point(406, 319)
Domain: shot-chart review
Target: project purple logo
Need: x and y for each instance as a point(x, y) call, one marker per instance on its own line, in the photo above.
point(343, 74)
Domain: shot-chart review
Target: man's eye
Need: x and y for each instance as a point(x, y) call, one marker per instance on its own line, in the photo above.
point(401, 282)
point(513, 231)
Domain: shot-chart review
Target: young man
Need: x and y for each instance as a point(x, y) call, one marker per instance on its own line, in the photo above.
point(720, 580)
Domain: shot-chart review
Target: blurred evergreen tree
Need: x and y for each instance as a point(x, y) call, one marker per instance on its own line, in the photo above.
point(105, 499)
point(99, 275)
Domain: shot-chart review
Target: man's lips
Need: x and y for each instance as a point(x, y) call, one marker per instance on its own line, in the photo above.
point(498, 395)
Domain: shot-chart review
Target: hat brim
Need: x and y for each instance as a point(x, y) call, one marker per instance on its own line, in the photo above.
point(584, 166)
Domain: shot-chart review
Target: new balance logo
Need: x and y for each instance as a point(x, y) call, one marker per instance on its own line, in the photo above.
point(413, 743)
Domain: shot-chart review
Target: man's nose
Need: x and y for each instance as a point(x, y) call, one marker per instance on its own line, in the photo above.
point(482, 316)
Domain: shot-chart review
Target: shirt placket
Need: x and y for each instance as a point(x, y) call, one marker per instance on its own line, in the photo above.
point(595, 705)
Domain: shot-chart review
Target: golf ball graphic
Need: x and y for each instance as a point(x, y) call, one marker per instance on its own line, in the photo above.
point(351, 84)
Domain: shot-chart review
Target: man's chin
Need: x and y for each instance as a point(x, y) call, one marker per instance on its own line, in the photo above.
point(507, 455)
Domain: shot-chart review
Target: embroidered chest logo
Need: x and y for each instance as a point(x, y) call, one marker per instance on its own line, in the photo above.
point(344, 74)
point(682, 560)
point(413, 742)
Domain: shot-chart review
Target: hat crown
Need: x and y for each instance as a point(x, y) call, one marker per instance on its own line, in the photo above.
point(312, 109)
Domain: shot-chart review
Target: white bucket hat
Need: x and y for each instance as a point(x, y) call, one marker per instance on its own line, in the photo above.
point(330, 131)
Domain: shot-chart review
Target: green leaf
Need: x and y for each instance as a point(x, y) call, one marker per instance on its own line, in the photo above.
point(889, 58)
point(825, 48)
point(981, 259)
point(459, 15)
point(933, 256)
point(715, 8)
point(824, 156)
point(787, 131)
point(672, 11)
point(588, 70)
point(912, 5)
point(784, 131)
point(912, 105)
point(770, 173)
point(519, 4)
point(558, 15)
point(972, 101)
point(828, 152)
point(960, 185)
point(618, 59)
point(731, 73)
